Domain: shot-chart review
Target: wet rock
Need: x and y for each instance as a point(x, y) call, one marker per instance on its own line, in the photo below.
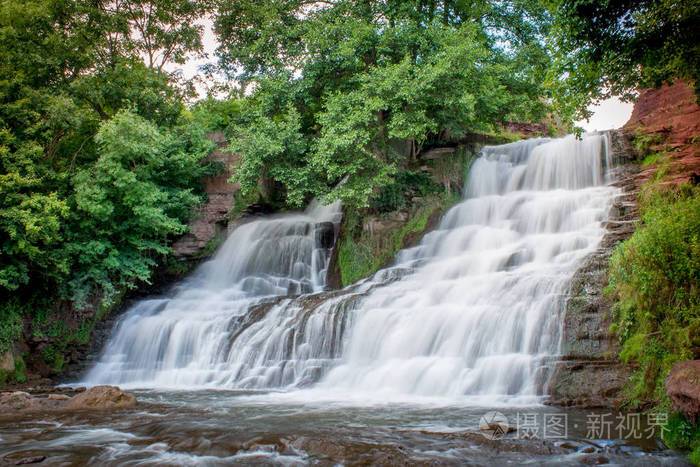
point(97, 398)
point(589, 373)
point(7, 362)
point(594, 460)
point(24, 458)
point(683, 388)
point(324, 233)
point(102, 397)
point(15, 401)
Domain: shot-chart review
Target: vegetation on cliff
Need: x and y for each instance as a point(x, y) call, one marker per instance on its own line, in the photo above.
point(100, 162)
point(654, 278)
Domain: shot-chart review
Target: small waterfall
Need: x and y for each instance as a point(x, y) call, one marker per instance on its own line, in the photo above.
point(181, 340)
point(475, 309)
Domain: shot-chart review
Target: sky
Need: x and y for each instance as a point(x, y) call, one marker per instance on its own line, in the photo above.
point(607, 115)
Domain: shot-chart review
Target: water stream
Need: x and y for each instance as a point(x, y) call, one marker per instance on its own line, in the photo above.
point(474, 310)
point(251, 360)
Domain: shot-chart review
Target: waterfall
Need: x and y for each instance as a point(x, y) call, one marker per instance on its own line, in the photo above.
point(475, 309)
point(181, 339)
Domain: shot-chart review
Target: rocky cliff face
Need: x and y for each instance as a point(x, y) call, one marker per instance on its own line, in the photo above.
point(589, 373)
point(209, 222)
point(665, 122)
point(669, 119)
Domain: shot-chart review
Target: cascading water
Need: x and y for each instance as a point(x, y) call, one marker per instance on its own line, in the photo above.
point(475, 309)
point(181, 340)
point(481, 314)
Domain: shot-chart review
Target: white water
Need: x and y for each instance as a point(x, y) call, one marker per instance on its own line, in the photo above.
point(476, 310)
point(184, 339)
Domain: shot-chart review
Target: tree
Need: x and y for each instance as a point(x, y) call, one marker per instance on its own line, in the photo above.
point(343, 88)
point(73, 73)
point(615, 47)
point(130, 201)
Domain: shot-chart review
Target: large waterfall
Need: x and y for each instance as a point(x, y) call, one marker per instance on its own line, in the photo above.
point(475, 309)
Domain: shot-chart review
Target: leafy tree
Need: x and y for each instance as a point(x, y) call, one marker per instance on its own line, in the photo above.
point(99, 160)
point(614, 47)
point(351, 91)
point(130, 201)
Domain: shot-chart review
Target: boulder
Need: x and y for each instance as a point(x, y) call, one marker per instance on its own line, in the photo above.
point(7, 362)
point(101, 397)
point(97, 398)
point(15, 401)
point(59, 397)
point(683, 388)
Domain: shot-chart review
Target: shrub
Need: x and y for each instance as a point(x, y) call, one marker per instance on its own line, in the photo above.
point(654, 276)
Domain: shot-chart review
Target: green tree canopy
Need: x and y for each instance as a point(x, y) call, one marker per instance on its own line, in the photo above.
point(615, 47)
point(98, 165)
point(351, 91)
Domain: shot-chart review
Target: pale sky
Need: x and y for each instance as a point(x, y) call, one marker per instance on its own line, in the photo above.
point(607, 115)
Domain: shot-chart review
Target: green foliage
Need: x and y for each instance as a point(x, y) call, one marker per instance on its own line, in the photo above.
point(405, 185)
point(99, 162)
point(213, 114)
point(361, 253)
point(682, 436)
point(654, 276)
point(128, 203)
point(348, 93)
point(274, 149)
point(10, 325)
point(611, 48)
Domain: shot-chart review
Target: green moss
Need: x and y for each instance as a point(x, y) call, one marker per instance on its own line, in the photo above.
point(356, 261)
point(361, 253)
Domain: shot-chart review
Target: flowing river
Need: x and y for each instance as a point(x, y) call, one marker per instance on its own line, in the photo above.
point(251, 360)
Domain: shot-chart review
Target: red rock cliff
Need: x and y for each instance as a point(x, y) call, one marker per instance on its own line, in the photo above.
point(672, 113)
point(211, 218)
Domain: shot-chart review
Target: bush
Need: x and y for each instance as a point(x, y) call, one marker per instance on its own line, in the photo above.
point(681, 435)
point(654, 276)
